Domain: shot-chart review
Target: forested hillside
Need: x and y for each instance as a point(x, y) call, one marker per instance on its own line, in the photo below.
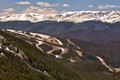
point(34, 64)
point(22, 59)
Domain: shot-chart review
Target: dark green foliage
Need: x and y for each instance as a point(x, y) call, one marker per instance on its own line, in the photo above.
point(13, 68)
point(115, 76)
point(90, 70)
point(71, 53)
point(41, 61)
point(57, 52)
point(66, 57)
point(45, 47)
point(89, 56)
point(109, 51)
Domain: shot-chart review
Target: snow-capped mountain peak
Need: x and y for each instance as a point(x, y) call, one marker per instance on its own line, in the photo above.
point(77, 16)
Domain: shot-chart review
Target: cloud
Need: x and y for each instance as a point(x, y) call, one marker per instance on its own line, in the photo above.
point(9, 10)
point(66, 5)
point(4, 13)
point(47, 11)
point(24, 2)
point(32, 9)
point(46, 4)
point(28, 10)
point(90, 6)
point(107, 6)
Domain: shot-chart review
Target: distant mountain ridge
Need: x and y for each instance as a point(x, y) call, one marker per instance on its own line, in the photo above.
point(90, 30)
point(90, 35)
point(76, 17)
point(101, 23)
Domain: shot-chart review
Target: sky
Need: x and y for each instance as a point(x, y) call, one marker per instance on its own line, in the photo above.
point(56, 6)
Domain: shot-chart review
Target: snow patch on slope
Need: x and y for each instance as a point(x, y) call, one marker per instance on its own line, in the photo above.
point(59, 42)
point(104, 63)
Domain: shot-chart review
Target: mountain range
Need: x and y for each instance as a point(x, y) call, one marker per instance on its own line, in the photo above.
point(79, 45)
point(76, 17)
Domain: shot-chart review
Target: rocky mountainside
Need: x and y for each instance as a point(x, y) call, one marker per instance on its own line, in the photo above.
point(87, 25)
point(76, 17)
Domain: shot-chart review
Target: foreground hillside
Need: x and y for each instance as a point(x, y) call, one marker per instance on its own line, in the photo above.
point(71, 56)
point(39, 56)
point(20, 60)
